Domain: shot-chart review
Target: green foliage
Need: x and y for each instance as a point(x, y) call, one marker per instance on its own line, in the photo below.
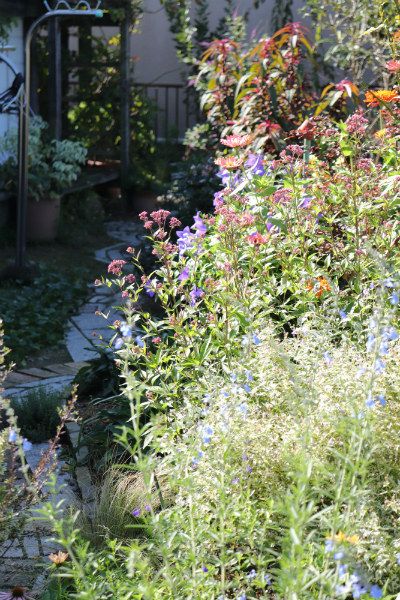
point(35, 315)
point(38, 414)
point(53, 165)
point(96, 118)
point(360, 50)
point(6, 24)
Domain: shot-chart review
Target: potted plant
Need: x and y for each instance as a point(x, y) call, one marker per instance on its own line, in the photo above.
point(53, 166)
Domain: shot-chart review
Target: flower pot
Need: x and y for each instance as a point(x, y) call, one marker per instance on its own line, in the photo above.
point(42, 219)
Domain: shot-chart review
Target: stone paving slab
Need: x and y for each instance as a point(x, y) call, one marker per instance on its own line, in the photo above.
point(53, 384)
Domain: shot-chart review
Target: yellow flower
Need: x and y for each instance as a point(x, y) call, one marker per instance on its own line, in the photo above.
point(342, 537)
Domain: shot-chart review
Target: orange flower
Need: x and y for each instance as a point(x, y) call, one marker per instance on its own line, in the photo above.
point(393, 66)
point(321, 286)
point(237, 141)
point(376, 97)
point(59, 558)
point(381, 133)
point(229, 162)
point(396, 36)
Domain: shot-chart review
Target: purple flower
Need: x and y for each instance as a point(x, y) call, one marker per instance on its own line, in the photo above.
point(186, 240)
point(267, 579)
point(224, 175)
point(255, 163)
point(199, 225)
point(184, 274)
point(136, 512)
point(204, 569)
point(150, 286)
point(305, 202)
point(252, 575)
point(218, 198)
point(195, 295)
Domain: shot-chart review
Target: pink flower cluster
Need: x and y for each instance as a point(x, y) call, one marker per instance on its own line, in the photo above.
point(115, 266)
point(357, 124)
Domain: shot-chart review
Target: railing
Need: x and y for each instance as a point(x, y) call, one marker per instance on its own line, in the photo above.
point(175, 107)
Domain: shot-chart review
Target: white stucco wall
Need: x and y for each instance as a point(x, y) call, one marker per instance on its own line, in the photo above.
point(15, 55)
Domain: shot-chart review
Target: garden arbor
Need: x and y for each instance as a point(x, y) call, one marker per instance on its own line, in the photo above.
point(59, 16)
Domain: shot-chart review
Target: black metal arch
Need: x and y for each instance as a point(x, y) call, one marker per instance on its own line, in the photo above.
point(9, 98)
point(82, 8)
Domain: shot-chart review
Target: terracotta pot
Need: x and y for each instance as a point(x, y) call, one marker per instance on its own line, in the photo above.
point(42, 219)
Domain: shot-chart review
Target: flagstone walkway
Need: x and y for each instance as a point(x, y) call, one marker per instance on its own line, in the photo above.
point(24, 556)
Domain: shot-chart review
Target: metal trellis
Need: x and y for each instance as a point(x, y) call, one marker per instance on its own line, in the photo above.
point(61, 8)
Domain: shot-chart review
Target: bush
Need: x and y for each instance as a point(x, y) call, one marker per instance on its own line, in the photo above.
point(38, 414)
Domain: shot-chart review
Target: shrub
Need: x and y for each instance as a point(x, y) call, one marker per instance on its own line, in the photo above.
point(38, 413)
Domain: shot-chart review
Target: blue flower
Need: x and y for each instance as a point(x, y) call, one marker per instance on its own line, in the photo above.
point(358, 590)
point(139, 341)
point(126, 330)
point(379, 366)
point(256, 339)
point(136, 512)
point(267, 579)
point(247, 388)
point(207, 434)
point(26, 445)
point(252, 574)
point(249, 376)
point(329, 546)
point(12, 436)
point(338, 555)
point(370, 402)
point(342, 314)
point(242, 597)
point(328, 358)
point(398, 559)
point(119, 342)
point(243, 408)
point(342, 570)
point(394, 298)
point(381, 399)
point(204, 569)
point(388, 283)
point(370, 342)
point(392, 334)
point(375, 591)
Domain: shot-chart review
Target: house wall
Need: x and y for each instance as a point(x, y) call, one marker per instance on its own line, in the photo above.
point(15, 55)
point(154, 47)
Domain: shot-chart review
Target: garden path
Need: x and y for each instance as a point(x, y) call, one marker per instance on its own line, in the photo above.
point(24, 555)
